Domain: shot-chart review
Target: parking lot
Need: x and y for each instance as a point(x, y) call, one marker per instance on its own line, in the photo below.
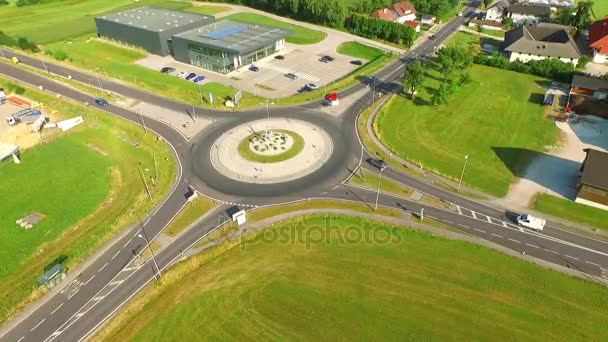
point(270, 81)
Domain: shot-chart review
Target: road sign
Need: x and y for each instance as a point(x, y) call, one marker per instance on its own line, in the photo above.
point(237, 97)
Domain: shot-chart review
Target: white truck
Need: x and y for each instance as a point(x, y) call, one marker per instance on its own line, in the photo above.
point(531, 222)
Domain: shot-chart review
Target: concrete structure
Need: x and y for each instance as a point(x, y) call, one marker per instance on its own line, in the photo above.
point(524, 13)
point(497, 11)
point(593, 187)
point(227, 45)
point(399, 12)
point(527, 43)
point(148, 27)
point(598, 40)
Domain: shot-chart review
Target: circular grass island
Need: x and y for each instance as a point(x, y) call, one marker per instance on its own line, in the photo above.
point(273, 146)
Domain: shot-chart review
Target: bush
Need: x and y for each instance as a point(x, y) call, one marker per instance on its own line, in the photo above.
point(548, 68)
point(7, 40)
point(26, 44)
point(370, 27)
point(3, 2)
point(14, 88)
point(21, 3)
point(60, 55)
point(582, 62)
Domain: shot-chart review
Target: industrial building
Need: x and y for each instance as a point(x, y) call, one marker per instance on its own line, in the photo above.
point(221, 46)
point(149, 27)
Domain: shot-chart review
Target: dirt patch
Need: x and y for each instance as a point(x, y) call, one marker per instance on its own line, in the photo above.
point(97, 149)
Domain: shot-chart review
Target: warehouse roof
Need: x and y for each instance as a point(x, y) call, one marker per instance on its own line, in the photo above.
point(235, 36)
point(154, 18)
point(595, 167)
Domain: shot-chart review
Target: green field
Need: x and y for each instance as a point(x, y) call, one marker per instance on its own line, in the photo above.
point(192, 212)
point(407, 286)
point(301, 35)
point(600, 7)
point(572, 211)
point(297, 147)
point(496, 120)
point(358, 50)
point(87, 186)
point(54, 20)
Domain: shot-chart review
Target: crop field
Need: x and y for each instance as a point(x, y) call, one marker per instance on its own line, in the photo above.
point(73, 180)
point(496, 120)
point(409, 285)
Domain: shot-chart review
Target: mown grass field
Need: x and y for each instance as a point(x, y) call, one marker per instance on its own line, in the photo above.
point(600, 7)
point(497, 112)
point(358, 50)
point(572, 211)
point(86, 182)
point(192, 212)
point(246, 152)
point(301, 35)
point(408, 287)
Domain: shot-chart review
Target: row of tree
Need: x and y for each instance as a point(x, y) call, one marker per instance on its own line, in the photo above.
point(370, 27)
point(581, 17)
point(434, 7)
point(550, 68)
point(21, 42)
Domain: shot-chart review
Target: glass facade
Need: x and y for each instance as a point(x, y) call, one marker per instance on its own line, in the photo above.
point(224, 62)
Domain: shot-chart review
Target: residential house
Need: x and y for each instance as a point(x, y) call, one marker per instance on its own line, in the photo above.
point(526, 43)
point(497, 11)
point(598, 40)
point(593, 186)
point(552, 3)
point(525, 14)
point(399, 12)
point(413, 24)
point(427, 19)
point(588, 95)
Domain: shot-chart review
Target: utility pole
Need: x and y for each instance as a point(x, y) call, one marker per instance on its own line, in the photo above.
point(143, 177)
point(2, 52)
point(98, 80)
point(145, 237)
point(45, 68)
point(466, 158)
point(378, 191)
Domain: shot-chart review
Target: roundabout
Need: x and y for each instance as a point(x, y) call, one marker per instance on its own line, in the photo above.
point(271, 151)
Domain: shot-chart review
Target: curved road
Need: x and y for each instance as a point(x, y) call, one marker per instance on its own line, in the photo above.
point(115, 276)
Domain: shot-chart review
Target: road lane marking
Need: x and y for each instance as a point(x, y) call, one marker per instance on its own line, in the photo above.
point(79, 315)
point(57, 332)
point(497, 235)
point(548, 250)
point(474, 216)
point(513, 240)
point(114, 256)
point(482, 231)
point(571, 257)
point(535, 246)
point(126, 244)
point(592, 263)
point(72, 295)
point(489, 219)
point(37, 325)
point(504, 224)
point(98, 298)
point(118, 282)
point(102, 267)
point(57, 308)
point(448, 221)
point(21, 339)
point(459, 211)
point(88, 280)
point(462, 225)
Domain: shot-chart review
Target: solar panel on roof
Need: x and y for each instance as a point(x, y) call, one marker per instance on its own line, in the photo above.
point(225, 32)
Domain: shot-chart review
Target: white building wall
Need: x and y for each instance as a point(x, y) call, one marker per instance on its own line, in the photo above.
point(494, 14)
point(407, 17)
point(590, 203)
point(524, 57)
point(600, 58)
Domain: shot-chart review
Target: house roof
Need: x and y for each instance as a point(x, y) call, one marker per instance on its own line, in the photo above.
point(499, 5)
point(385, 14)
point(411, 24)
point(403, 8)
point(486, 23)
point(530, 9)
point(595, 167)
point(549, 40)
point(598, 35)
point(586, 82)
point(158, 19)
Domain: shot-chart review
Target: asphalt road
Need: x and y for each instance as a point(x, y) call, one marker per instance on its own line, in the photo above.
point(115, 277)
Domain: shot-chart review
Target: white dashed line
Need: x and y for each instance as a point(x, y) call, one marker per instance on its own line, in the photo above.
point(504, 224)
point(114, 256)
point(479, 230)
point(459, 211)
point(592, 263)
point(462, 225)
point(489, 219)
point(535, 246)
point(548, 250)
point(448, 221)
point(514, 240)
point(37, 325)
point(102, 267)
point(571, 257)
point(98, 298)
point(21, 339)
point(57, 308)
point(118, 282)
point(72, 295)
point(497, 235)
point(126, 244)
point(85, 284)
point(79, 315)
point(473, 213)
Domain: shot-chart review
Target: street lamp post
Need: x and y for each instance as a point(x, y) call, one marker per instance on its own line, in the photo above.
point(98, 80)
point(378, 191)
point(45, 68)
point(145, 237)
point(466, 158)
point(268, 103)
point(2, 52)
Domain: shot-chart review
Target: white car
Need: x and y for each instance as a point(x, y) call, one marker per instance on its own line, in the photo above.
point(460, 14)
point(530, 221)
point(182, 74)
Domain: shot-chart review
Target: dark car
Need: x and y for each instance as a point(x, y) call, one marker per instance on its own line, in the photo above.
point(101, 102)
point(279, 57)
point(190, 76)
point(311, 86)
point(254, 68)
point(379, 163)
point(356, 62)
point(291, 76)
point(199, 79)
point(167, 70)
point(432, 37)
point(327, 59)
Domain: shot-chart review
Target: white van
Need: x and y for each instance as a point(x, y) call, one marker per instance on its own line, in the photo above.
point(532, 222)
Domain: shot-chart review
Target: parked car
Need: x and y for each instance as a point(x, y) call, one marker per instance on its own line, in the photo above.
point(311, 86)
point(327, 59)
point(167, 70)
point(291, 76)
point(432, 37)
point(460, 14)
point(530, 221)
point(190, 76)
point(279, 57)
point(254, 68)
point(379, 163)
point(182, 74)
point(356, 62)
point(101, 102)
point(199, 78)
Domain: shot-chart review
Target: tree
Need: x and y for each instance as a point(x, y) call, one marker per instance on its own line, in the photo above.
point(583, 15)
point(487, 3)
point(414, 75)
point(508, 22)
point(3, 2)
point(441, 96)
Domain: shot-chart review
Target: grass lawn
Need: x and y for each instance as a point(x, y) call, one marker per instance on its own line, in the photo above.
point(297, 147)
point(192, 212)
point(572, 211)
point(465, 38)
point(371, 181)
point(406, 285)
point(208, 10)
point(301, 35)
point(358, 50)
point(495, 113)
point(600, 7)
point(87, 184)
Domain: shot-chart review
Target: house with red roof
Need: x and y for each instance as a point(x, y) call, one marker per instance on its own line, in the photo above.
point(413, 24)
point(598, 40)
point(400, 12)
